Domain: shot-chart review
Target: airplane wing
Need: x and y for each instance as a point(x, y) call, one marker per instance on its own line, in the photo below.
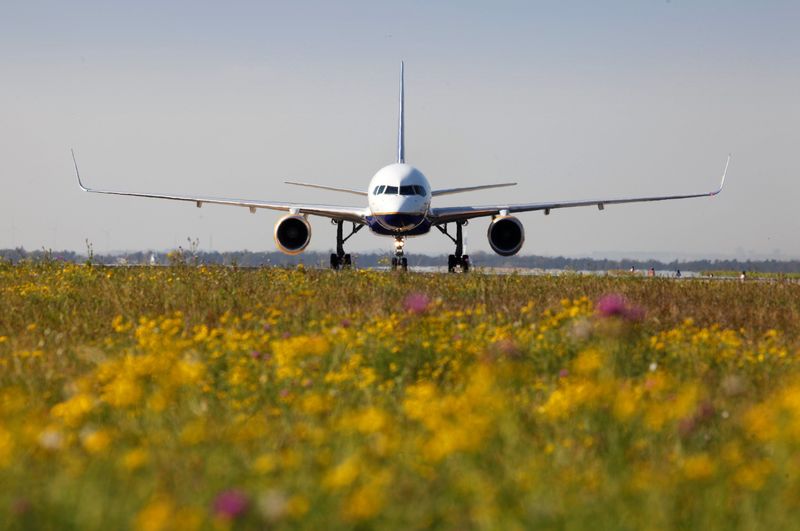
point(354, 214)
point(451, 214)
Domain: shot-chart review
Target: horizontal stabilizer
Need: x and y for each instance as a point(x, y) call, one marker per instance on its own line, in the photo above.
point(448, 191)
point(332, 188)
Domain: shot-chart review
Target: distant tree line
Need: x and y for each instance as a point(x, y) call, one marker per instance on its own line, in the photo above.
point(192, 256)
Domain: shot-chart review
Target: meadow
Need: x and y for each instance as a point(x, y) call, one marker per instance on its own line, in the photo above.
point(222, 398)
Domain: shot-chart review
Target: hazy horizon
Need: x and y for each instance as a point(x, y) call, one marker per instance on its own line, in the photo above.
point(640, 256)
point(572, 100)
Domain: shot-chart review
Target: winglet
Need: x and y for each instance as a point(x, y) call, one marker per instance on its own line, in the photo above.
point(401, 140)
point(77, 172)
point(724, 173)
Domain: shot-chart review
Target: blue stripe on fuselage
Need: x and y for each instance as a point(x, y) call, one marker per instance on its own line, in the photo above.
point(399, 224)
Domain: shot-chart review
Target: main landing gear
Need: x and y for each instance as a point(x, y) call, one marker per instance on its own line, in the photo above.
point(398, 260)
point(459, 259)
point(340, 259)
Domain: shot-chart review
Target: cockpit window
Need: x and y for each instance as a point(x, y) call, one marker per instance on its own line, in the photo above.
point(410, 189)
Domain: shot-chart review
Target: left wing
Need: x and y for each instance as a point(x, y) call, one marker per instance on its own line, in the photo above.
point(451, 214)
point(354, 214)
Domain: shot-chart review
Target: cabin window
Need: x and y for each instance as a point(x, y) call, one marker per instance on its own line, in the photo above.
point(391, 190)
point(407, 190)
point(420, 190)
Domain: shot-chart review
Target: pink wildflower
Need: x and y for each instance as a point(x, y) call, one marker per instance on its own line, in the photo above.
point(231, 504)
point(416, 303)
point(614, 305)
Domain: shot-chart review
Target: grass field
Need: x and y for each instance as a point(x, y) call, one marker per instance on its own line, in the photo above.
point(194, 398)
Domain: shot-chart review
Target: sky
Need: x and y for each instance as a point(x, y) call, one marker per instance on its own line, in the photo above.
point(573, 100)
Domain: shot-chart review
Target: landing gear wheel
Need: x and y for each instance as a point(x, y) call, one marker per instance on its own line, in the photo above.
point(398, 260)
point(340, 259)
point(457, 259)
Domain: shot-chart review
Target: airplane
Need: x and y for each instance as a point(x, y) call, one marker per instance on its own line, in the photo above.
point(399, 205)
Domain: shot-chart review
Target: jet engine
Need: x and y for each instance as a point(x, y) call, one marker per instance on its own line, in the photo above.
point(292, 234)
point(506, 235)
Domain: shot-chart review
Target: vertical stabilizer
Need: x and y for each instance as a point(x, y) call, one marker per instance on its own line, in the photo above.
point(401, 139)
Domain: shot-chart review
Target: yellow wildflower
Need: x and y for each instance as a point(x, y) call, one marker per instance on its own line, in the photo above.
point(698, 467)
point(122, 391)
point(73, 410)
point(588, 361)
point(155, 516)
point(6, 447)
point(265, 463)
point(343, 474)
point(96, 441)
point(134, 459)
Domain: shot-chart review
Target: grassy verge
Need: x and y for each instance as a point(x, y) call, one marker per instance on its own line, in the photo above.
point(163, 398)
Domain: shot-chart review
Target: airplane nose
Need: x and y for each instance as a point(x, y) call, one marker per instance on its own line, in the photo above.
point(410, 204)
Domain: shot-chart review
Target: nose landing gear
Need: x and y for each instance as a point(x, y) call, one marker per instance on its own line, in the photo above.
point(398, 260)
point(340, 259)
point(459, 259)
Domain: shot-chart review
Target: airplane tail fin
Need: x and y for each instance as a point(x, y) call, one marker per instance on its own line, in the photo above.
point(401, 144)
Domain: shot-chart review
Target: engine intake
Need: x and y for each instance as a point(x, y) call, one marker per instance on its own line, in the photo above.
point(292, 234)
point(506, 235)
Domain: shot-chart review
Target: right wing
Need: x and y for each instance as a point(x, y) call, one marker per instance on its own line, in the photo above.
point(451, 214)
point(354, 214)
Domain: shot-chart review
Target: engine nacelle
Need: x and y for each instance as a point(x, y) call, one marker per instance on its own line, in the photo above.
point(292, 234)
point(506, 235)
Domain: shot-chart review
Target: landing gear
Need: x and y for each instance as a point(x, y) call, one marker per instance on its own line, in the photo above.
point(399, 263)
point(459, 259)
point(454, 261)
point(340, 259)
point(398, 260)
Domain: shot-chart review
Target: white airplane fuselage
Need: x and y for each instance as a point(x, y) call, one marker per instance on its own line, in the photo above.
point(399, 198)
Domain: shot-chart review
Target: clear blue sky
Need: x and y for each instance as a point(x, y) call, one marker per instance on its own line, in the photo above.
point(571, 99)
